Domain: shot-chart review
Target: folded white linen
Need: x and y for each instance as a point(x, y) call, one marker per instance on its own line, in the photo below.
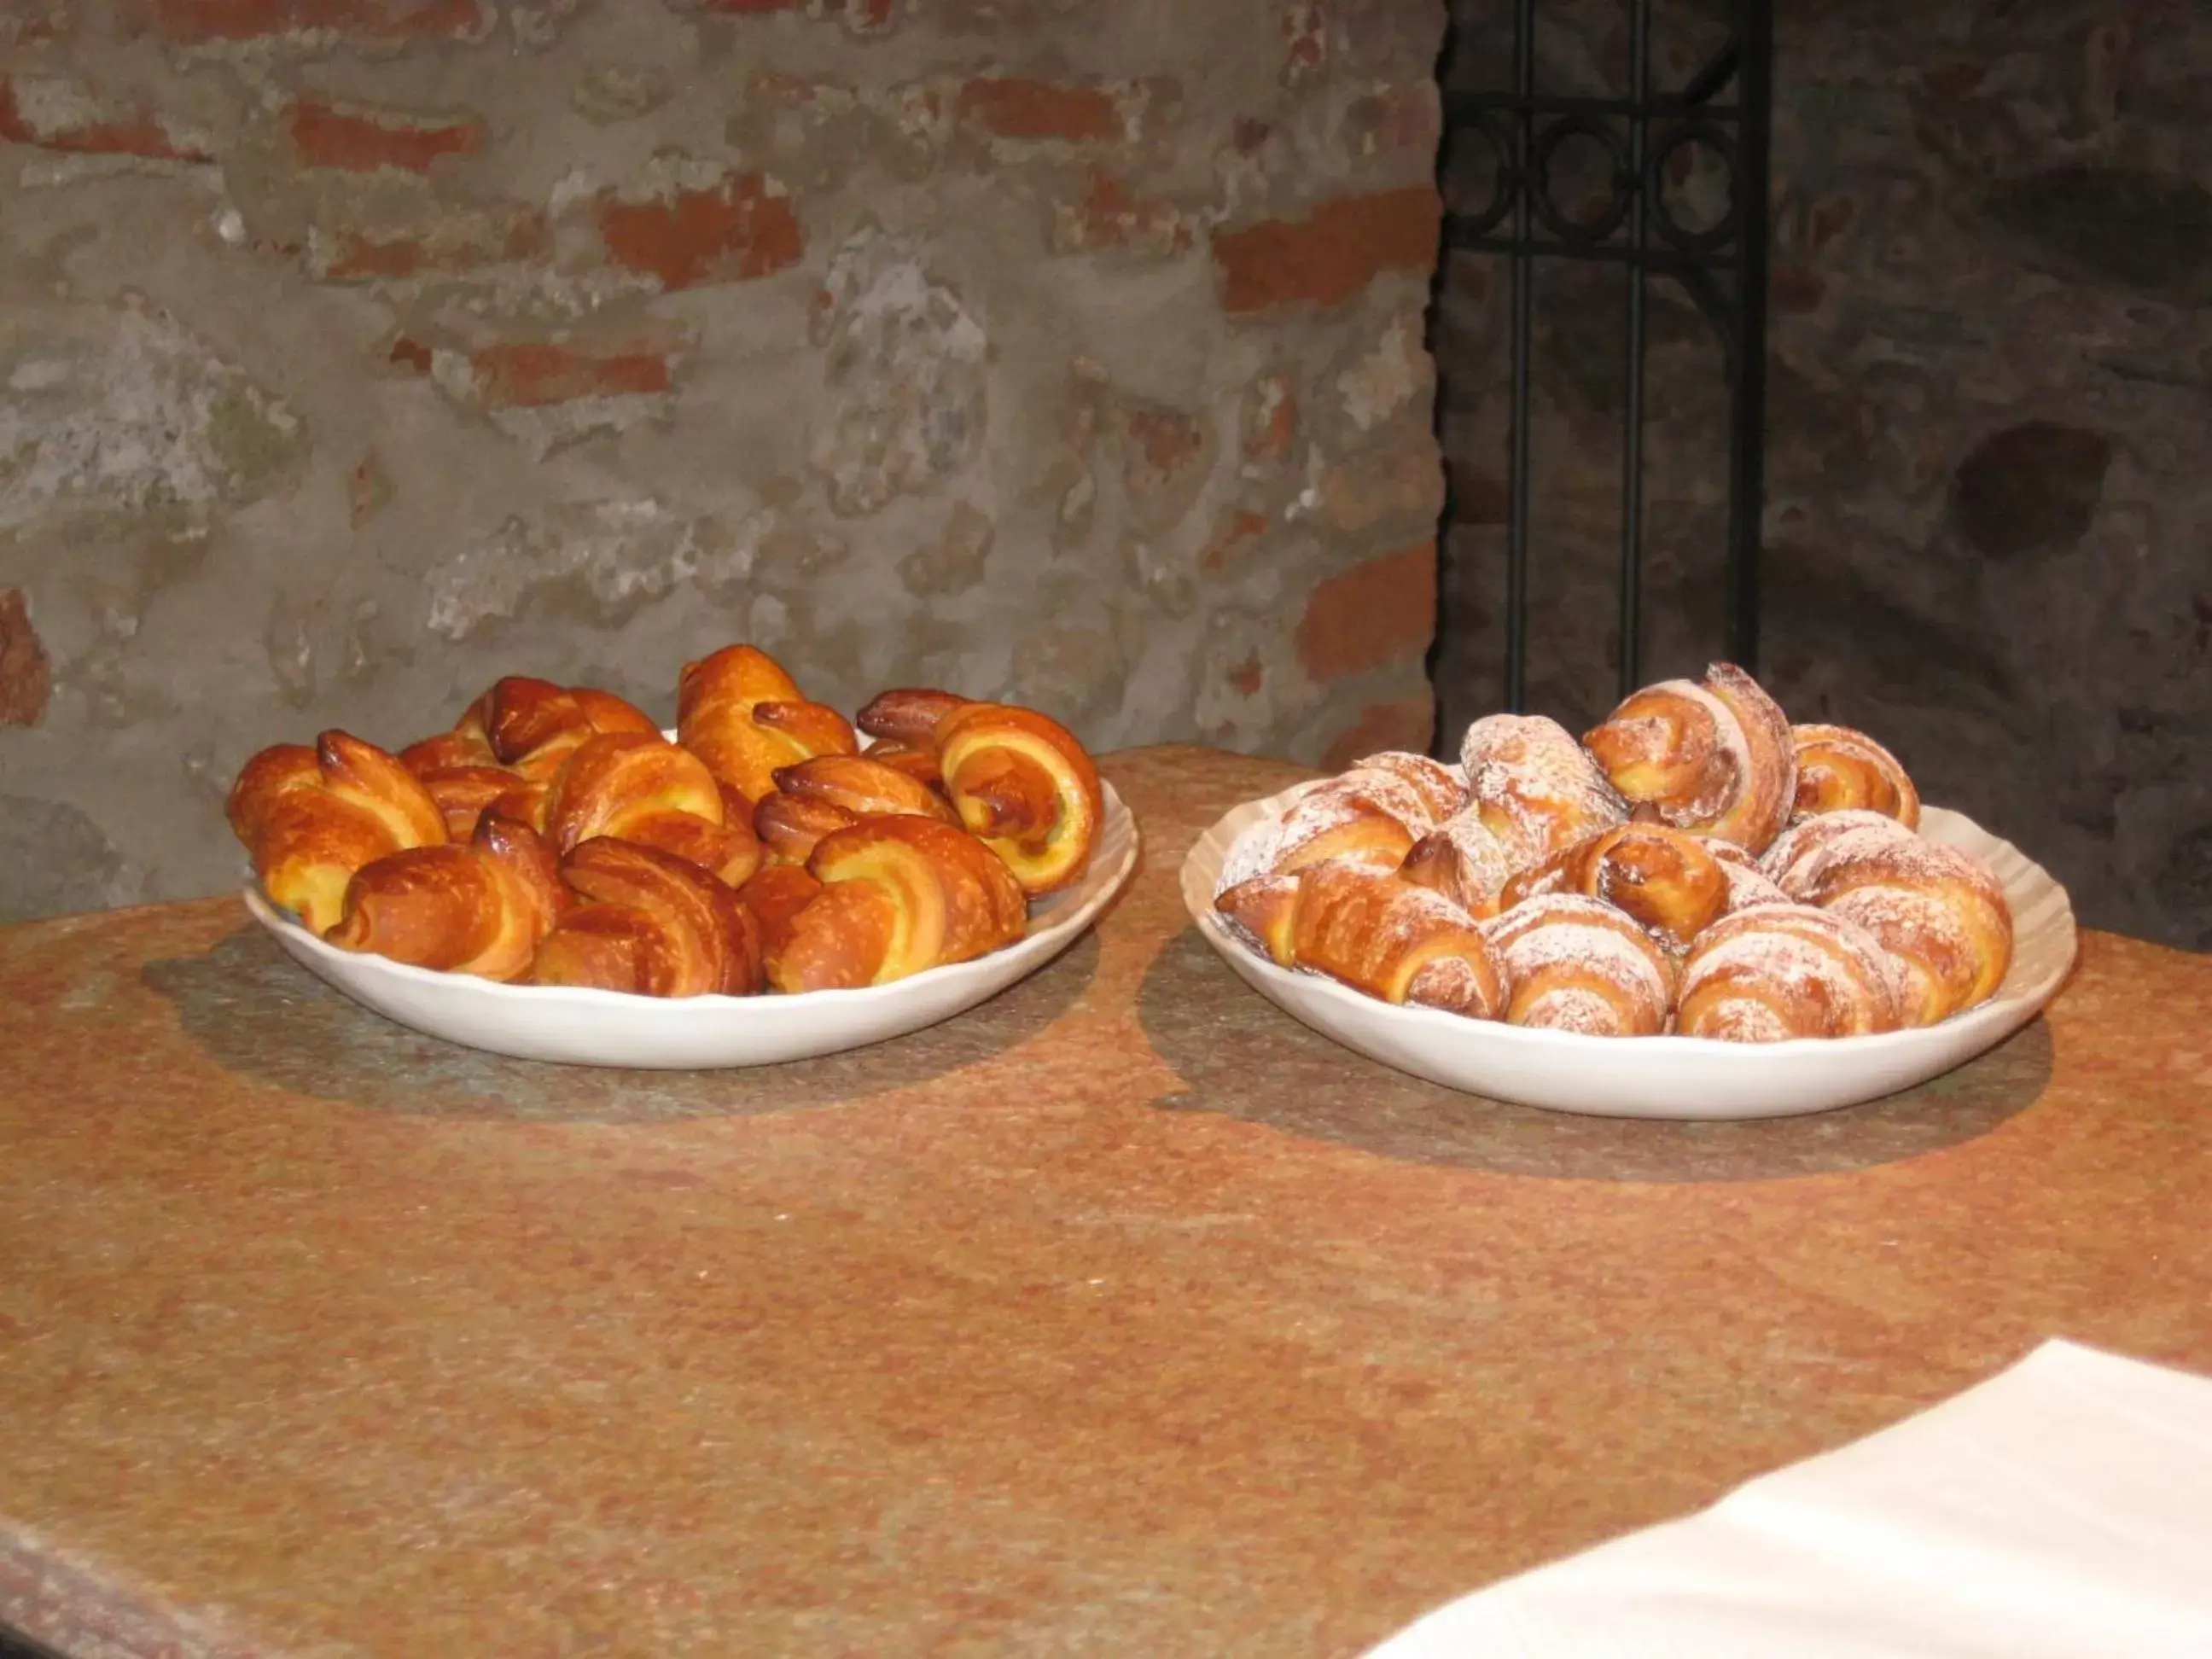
point(2062, 1510)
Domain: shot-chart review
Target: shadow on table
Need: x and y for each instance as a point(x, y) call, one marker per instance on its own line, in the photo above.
point(1243, 1057)
point(262, 1016)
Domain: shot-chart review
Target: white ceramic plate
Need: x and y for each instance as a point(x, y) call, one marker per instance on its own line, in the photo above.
point(580, 1027)
point(1663, 1077)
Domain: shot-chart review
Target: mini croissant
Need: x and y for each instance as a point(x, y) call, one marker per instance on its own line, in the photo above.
point(310, 818)
point(899, 895)
point(482, 907)
point(834, 791)
point(1026, 787)
point(528, 726)
point(655, 925)
point(1373, 931)
point(742, 715)
point(644, 789)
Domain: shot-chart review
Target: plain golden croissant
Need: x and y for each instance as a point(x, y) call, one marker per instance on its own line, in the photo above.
point(465, 793)
point(1370, 930)
point(527, 725)
point(901, 726)
point(645, 789)
point(1663, 879)
point(742, 715)
point(1839, 769)
point(1939, 912)
point(1710, 756)
point(1573, 963)
point(481, 908)
point(834, 791)
point(899, 895)
point(1777, 971)
point(1535, 787)
point(656, 925)
point(1368, 817)
point(775, 896)
point(1026, 788)
point(310, 818)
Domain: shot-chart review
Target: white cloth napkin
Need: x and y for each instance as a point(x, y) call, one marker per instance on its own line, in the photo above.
point(2060, 1510)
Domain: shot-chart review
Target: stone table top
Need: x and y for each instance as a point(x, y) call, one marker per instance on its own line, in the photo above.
point(1122, 1315)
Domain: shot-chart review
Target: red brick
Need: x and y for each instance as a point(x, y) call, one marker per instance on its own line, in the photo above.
point(26, 680)
point(135, 134)
point(1247, 677)
point(1405, 723)
point(1108, 216)
point(740, 228)
point(325, 138)
point(538, 373)
point(750, 7)
point(1161, 445)
point(1331, 254)
point(1372, 615)
point(1242, 527)
point(533, 375)
point(467, 242)
point(197, 22)
point(1042, 110)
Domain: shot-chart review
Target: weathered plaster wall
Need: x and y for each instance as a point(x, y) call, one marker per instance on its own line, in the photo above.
point(353, 352)
point(1989, 435)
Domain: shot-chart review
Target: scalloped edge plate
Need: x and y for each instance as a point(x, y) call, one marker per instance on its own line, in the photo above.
point(582, 1027)
point(1663, 1077)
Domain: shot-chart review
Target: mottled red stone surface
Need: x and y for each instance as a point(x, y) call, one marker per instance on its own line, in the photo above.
point(1122, 1315)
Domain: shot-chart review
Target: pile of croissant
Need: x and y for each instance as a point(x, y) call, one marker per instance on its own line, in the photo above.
point(1695, 864)
point(554, 836)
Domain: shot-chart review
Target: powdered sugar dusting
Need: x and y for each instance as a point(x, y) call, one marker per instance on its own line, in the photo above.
point(1793, 861)
point(1785, 971)
point(1584, 939)
point(1536, 788)
point(1337, 804)
point(1478, 864)
point(1747, 884)
point(1442, 789)
point(1454, 984)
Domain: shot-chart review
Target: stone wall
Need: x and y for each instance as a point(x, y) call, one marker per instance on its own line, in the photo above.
point(353, 352)
point(1990, 434)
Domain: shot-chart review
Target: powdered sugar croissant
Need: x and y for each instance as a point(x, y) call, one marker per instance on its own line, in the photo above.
point(1372, 932)
point(1573, 963)
point(1773, 972)
point(1711, 756)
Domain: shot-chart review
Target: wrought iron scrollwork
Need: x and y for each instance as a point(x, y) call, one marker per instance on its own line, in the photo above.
point(1724, 110)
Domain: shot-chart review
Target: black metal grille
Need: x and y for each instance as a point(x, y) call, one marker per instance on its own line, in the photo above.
point(1725, 106)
